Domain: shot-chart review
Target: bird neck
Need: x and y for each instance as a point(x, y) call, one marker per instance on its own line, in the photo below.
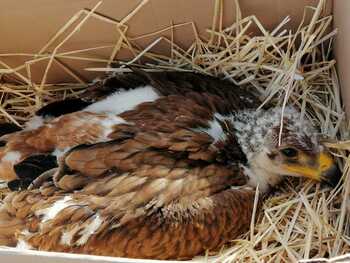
point(258, 173)
point(236, 141)
point(235, 136)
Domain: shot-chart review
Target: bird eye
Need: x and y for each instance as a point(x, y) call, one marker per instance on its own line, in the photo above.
point(289, 152)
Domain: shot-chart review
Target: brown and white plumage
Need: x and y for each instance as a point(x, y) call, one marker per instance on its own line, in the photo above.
point(166, 175)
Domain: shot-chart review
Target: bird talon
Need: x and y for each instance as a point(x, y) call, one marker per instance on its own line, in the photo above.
point(45, 176)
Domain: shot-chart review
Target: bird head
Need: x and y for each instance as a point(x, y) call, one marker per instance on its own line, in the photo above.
point(275, 149)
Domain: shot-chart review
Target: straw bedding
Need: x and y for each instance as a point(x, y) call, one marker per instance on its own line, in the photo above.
point(305, 220)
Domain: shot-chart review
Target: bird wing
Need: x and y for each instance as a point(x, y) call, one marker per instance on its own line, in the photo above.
point(152, 180)
point(88, 128)
point(173, 83)
point(169, 123)
point(168, 127)
point(161, 186)
point(58, 136)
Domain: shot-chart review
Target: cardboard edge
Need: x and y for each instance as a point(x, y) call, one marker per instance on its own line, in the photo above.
point(342, 48)
point(8, 254)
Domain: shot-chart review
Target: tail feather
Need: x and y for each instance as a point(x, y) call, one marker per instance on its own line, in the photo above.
point(59, 108)
point(6, 128)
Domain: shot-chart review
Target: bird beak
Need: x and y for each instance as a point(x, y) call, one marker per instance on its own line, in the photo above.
point(324, 169)
point(328, 171)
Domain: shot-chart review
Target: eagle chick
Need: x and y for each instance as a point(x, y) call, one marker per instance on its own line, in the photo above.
point(157, 165)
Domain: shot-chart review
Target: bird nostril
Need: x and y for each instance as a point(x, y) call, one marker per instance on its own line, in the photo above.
point(324, 167)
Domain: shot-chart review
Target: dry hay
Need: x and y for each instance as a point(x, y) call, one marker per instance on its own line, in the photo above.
point(305, 220)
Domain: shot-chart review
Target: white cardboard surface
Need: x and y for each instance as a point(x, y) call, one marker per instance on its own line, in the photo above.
point(13, 255)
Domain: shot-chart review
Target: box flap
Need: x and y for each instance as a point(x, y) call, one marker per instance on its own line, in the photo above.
point(26, 28)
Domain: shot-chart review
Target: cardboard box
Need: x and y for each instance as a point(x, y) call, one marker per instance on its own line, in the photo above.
point(13, 255)
point(27, 26)
point(37, 21)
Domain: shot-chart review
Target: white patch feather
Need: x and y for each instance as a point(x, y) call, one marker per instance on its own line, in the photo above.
point(21, 243)
point(51, 212)
point(12, 157)
point(67, 236)
point(89, 230)
point(3, 185)
point(215, 129)
point(34, 123)
point(124, 100)
point(59, 153)
point(108, 125)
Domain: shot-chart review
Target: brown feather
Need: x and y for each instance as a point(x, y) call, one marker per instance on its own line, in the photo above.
point(152, 185)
